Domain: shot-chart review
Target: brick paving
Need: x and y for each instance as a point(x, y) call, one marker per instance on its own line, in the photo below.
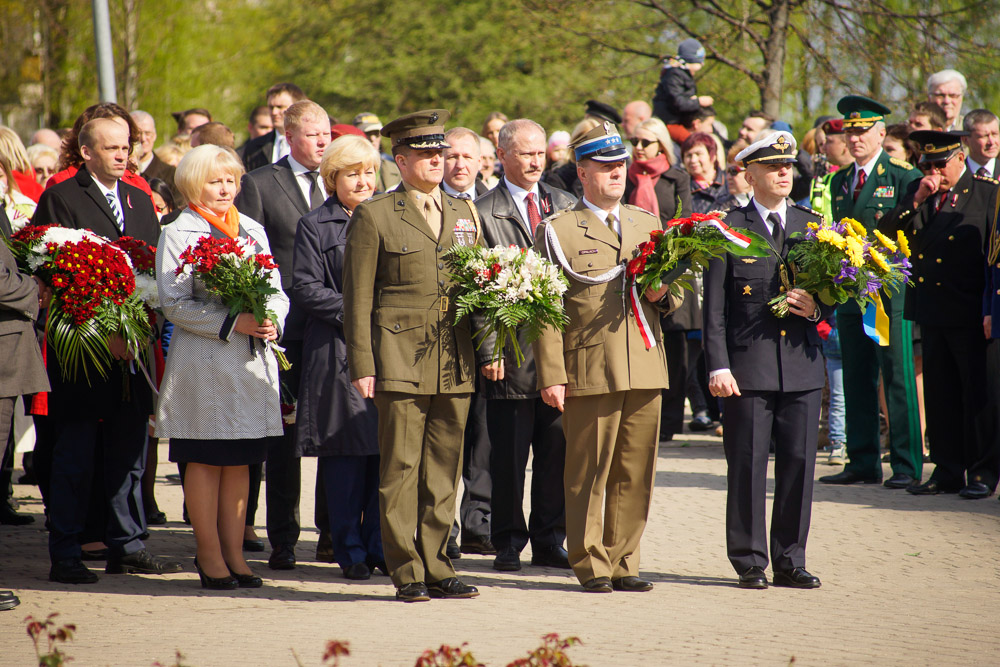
point(906, 581)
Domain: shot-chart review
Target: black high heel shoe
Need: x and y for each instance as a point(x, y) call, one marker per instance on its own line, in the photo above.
point(247, 580)
point(216, 584)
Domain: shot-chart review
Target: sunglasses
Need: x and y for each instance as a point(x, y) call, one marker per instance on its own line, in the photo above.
point(641, 143)
point(732, 171)
point(930, 165)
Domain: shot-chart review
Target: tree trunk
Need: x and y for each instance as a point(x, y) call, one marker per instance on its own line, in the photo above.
point(774, 57)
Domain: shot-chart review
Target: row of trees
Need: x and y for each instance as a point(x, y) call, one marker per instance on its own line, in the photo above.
point(793, 58)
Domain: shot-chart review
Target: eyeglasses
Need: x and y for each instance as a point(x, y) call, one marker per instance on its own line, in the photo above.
point(642, 143)
point(732, 171)
point(929, 165)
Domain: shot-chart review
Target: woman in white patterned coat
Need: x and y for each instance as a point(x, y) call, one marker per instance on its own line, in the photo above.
point(219, 399)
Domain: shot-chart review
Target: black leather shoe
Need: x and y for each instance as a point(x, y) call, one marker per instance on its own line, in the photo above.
point(631, 584)
point(282, 558)
point(477, 544)
point(256, 545)
point(899, 481)
point(701, 423)
point(156, 518)
point(976, 491)
point(753, 578)
point(415, 592)
point(141, 562)
point(932, 487)
point(230, 583)
point(507, 560)
point(451, 588)
point(9, 517)
point(324, 548)
point(357, 571)
point(598, 585)
point(71, 571)
point(452, 551)
point(377, 566)
point(8, 600)
point(550, 557)
point(848, 477)
point(93, 554)
point(796, 578)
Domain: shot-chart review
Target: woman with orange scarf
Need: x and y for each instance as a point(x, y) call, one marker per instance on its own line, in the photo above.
point(653, 183)
point(219, 401)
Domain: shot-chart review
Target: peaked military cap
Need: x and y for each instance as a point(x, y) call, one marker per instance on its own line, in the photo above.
point(366, 121)
point(602, 144)
point(603, 111)
point(937, 145)
point(419, 130)
point(861, 112)
point(776, 147)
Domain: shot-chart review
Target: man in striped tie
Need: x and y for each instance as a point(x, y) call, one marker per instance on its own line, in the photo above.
point(83, 414)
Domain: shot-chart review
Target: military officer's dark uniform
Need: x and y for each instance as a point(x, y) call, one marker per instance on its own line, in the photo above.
point(778, 366)
point(946, 299)
point(864, 359)
point(399, 323)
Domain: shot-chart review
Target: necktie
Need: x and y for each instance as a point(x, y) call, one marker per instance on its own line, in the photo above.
point(315, 194)
point(940, 202)
point(777, 230)
point(464, 195)
point(612, 222)
point(982, 172)
point(113, 203)
point(861, 184)
point(432, 217)
point(534, 217)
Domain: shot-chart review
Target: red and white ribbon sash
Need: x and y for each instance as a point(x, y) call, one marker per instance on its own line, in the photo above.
point(640, 318)
point(732, 235)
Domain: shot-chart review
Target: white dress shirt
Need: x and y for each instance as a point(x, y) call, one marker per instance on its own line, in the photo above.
point(280, 148)
point(974, 167)
point(867, 168)
point(304, 180)
point(466, 194)
point(519, 193)
point(114, 192)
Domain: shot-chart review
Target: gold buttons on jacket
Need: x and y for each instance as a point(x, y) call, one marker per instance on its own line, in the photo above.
point(920, 279)
point(920, 256)
point(951, 238)
point(781, 289)
point(783, 332)
point(938, 260)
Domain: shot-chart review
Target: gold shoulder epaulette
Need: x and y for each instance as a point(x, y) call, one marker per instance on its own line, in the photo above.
point(901, 163)
point(988, 179)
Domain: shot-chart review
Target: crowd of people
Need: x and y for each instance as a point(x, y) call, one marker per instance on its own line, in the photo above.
point(398, 402)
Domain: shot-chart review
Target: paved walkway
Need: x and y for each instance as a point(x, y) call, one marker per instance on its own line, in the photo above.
point(906, 581)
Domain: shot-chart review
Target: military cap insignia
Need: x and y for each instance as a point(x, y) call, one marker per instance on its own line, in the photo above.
point(433, 118)
point(781, 144)
point(900, 163)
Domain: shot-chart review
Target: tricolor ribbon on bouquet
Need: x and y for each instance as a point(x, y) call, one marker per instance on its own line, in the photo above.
point(731, 235)
point(640, 318)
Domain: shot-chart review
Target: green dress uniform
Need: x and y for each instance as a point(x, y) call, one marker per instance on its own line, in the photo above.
point(864, 358)
point(399, 324)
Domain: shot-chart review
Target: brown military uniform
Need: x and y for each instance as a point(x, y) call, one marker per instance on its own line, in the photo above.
point(613, 385)
point(399, 316)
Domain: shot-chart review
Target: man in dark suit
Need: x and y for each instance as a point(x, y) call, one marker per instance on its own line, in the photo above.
point(277, 195)
point(22, 371)
point(258, 125)
point(85, 416)
point(770, 374)
point(518, 420)
point(866, 191)
point(271, 147)
point(462, 161)
point(982, 143)
point(949, 213)
point(151, 166)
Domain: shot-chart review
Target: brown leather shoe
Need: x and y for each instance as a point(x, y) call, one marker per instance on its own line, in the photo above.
point(598, 585)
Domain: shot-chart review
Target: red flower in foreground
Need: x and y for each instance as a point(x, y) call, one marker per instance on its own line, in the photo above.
point(646, 249)
point(637, 266)
point(656, 235)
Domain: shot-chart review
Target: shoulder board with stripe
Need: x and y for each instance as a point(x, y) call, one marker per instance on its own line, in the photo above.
point(556, 214)
point(802, 207)
point(900, 163)
point(986, 178)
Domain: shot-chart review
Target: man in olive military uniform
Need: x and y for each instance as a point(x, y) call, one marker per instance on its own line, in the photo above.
point(866, 191)
point(405, 351)
point(770, 373)
point(949, 213)
point(606, 370)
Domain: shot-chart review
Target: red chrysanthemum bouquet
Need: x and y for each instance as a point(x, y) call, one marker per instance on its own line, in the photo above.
point(238, 276)
point(689, 244)
point(93, 295)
